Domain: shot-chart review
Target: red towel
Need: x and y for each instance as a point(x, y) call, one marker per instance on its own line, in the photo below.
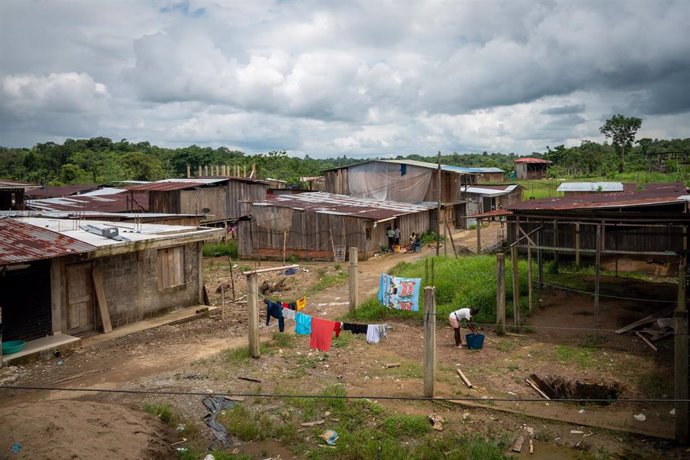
point(321, 333)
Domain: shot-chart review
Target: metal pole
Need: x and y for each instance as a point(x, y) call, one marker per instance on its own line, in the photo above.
point(429, 341)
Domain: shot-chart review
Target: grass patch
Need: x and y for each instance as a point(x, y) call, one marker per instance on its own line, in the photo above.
point(582, 356)
point(228, 248)
point(655, 384)
point(327, 280)
point(163, 412)
point(406, 425)
point(240, 423)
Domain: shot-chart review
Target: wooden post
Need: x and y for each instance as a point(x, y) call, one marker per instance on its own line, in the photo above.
point(426, 271)
point(479, 235)
point(232, 279)
point(330, 233)
point(500, 293)
point(222, 301)
point(450, 235)
point(438, 204)
point(205, 170)
point(284, 244)
point(540, 259)
point(429, 341)
point(244, 171)
point(681, 349)
point(597, 269)
point(253, 311)
point(353, 279)
point(555, 244)
point(433, 273)
point(577, 244)
point(516, 285)
point(445, 236)
point(199, 172)
point(530, 291)
point(100, 297)
point(189, 171)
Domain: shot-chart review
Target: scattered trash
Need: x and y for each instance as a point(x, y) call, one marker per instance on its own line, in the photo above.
point(180, 427)
point(576, 432)
point(531, 447)
point(249, 379)
point(314, 423)
point(582, 411)
point(181, 449)
point(209, 457)
point(329, 436)
point(640, 417)
point(517, 443)
point(16, 448)
point(291, 271)
point(60, 362)
point(179, 442)
point(437, 421)
point(465, 416)
point(215, 404)
point(327, 414)
point(591, 433)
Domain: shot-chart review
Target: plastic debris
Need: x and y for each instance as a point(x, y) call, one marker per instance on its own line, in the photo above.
point(329, 436)
point(16, 448)
point(215, 404)
point(291, 271)
point(582, 411)
point(437, 421)
point(209, 457)
point(640, 417)
point(673, 411)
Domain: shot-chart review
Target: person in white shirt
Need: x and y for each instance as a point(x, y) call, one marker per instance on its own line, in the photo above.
point(456, 319)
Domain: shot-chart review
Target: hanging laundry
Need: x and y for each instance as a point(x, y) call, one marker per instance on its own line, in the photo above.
point(355, 328)
point(289, 313)
point(292, 306)
point(338, 326)
point(301, 303)
point(275, 310)
point(376, 332)
point(303, 326)
point(321, 334)
point(285, 305)
point(399, 293)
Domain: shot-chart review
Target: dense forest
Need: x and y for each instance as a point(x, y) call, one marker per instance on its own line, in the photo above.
point(100, 160)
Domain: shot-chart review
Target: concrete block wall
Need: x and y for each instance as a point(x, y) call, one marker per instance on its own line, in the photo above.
point(131, 285)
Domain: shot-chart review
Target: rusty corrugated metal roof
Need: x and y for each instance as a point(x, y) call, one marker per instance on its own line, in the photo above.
point(20, 242)
point(532, 160)
point(119, 202)
point(653, 194)
point(344, 205)
point(13, 184)
point(60, 190)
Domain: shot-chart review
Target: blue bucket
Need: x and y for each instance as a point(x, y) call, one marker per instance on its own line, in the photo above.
point(474, 341)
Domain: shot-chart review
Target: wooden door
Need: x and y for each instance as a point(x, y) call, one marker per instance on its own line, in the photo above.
point(80, 303)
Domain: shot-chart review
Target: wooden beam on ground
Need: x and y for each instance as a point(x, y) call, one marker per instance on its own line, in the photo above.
point(517, 443)
point(464, 378)
point(537, 389)
point(270, 269)
point(644, 339)
point(100, 297)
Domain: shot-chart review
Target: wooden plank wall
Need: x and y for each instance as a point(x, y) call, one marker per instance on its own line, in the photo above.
point(165, 202)
point(213, 198)
point(242, 192)
point(622, 238)
point(337, 181)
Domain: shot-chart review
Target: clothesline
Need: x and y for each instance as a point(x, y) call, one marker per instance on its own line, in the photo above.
point(320, 330)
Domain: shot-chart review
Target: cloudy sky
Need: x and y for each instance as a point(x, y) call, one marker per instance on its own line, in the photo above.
point(341, 77)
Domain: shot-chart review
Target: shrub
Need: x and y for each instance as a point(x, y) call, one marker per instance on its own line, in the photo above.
point(228, 248)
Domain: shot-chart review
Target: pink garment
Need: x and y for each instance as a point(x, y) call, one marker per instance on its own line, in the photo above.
point(321, 334)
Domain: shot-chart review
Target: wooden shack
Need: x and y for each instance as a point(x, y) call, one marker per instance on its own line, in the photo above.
point(12, 194)
point(221, 200)
point(531, 168)
point(319, 225)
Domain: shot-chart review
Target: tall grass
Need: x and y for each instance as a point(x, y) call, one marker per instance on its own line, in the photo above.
point(229, 248)
point(462, 282)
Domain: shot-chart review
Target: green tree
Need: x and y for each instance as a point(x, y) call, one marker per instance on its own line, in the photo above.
point(621, 130)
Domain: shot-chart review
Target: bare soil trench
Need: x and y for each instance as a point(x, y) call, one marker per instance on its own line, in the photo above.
point(188, 357)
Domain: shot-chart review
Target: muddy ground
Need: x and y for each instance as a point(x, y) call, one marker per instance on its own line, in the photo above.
point(194, 357)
